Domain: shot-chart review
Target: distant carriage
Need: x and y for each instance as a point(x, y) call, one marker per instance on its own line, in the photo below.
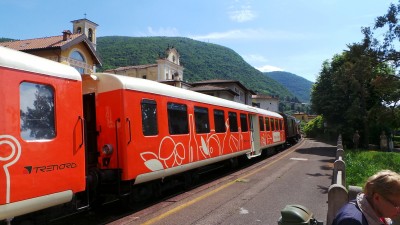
point(292, 129)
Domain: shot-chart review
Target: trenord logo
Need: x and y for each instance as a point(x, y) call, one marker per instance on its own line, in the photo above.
point(49, 168)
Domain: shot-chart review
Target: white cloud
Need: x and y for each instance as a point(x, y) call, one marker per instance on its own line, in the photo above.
point(241, 12)
point(242, 15)
point(269, 68)
point(168, 31)
point(253, 34)
point(254, 58)
point(231, 34)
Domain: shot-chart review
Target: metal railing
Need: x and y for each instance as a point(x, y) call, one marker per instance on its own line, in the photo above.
point(338, 195)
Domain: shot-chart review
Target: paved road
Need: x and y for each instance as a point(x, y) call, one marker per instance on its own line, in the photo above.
point(256, 195)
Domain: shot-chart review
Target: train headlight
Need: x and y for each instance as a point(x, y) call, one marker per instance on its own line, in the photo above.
point(107, 149)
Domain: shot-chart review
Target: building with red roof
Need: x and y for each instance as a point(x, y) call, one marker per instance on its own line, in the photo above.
point(77, 48)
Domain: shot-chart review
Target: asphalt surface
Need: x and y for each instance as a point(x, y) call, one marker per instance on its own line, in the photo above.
point(300, 175)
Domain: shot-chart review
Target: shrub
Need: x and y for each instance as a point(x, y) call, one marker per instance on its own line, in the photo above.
point(314, 128)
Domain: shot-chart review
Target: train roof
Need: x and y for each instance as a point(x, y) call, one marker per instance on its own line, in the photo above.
point(13, 59)
point(110, 82)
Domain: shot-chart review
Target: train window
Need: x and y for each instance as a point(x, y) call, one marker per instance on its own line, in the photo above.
point(149, 117)
point(243, 122)
point(276, 124)
point(272, 124)
point(281, 123)
point(267, 127)
point(37, 111)
point(177, 118)
point(233, 124)
point(261, 122)
point(219, 121)
point(201, 120)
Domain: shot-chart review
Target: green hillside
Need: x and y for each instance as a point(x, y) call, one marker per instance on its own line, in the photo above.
point(202, 61)
point(6, 39)
point(297, 85)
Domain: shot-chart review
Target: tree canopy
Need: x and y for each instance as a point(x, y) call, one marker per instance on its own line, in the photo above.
point(359, 89)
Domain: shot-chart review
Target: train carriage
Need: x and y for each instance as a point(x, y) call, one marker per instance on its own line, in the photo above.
point(152, 130)
point(292, 129)
point(42, 158)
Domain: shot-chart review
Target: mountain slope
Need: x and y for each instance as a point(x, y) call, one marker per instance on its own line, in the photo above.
point(202, 61)
point(6, 39)
point(297, 85)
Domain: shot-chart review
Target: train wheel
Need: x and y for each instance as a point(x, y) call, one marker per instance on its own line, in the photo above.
point(231, 164)
point(144, 192)
point(128, 202)
point(234, 163)
point(191, 178)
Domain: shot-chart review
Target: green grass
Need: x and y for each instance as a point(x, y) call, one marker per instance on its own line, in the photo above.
point(362, 164)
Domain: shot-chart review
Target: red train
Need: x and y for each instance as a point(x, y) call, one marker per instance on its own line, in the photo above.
point(65, 138)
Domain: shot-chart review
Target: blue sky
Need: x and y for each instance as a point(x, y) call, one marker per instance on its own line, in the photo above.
point(290, 35)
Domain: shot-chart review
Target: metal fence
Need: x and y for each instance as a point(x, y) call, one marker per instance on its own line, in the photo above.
point(338, 194)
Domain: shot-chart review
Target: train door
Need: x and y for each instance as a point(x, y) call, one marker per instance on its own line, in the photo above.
point(89, 113)
point(254, 136)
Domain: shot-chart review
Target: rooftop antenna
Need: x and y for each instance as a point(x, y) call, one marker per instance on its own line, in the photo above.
point(84, 15)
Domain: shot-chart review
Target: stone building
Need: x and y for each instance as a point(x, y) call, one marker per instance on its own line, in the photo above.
point(227, 89)
point(304, 116)
point(266, 102)
point(77, 49)
point(167, 69)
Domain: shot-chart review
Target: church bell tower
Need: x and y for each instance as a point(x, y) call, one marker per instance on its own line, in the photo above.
point(87, 27)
